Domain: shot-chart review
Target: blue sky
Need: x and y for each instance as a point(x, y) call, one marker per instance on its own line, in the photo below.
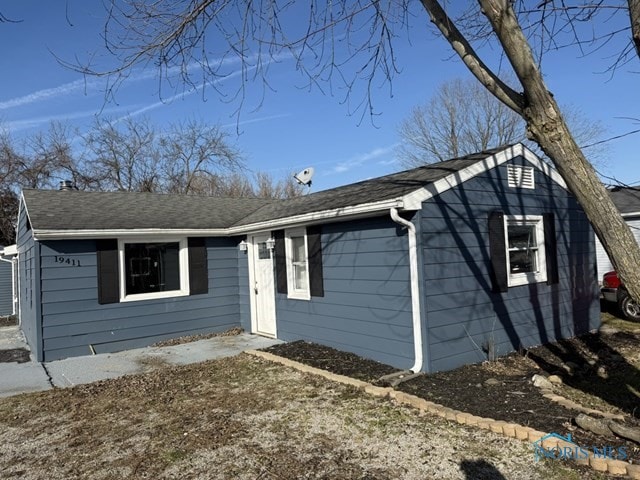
point(294, 127)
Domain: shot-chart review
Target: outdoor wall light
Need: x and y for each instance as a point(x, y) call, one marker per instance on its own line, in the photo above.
point(271, 244)
point(243, 246)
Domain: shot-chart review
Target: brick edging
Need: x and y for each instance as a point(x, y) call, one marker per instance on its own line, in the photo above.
point(512, 430)
point(549, 394)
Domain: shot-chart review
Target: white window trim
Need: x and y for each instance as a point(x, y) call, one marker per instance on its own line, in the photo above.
point(516, 279)
point(291, 291)
point(183, 258)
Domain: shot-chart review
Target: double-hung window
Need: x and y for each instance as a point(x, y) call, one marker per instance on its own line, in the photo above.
point(297, 264)
point(526, 262)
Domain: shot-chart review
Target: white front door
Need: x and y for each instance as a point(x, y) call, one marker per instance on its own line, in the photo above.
point(263, 304)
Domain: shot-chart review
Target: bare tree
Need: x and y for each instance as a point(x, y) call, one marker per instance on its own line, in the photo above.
point(123, 156)
point(268, 187)
point(177, 36)
point(241, 184)
point(8, 216)
point(463, 117)
point(193, 150)
point(39, 161)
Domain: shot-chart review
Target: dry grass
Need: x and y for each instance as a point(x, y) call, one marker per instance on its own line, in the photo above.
point(243, 418)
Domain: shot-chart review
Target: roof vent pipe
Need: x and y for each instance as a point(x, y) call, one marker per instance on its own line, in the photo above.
point(67, 185)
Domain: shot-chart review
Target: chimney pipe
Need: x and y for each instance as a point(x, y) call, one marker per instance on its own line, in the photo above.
point(67, 185)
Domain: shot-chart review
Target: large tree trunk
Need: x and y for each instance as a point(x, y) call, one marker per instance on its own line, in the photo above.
point(634, 17)
point(547, 127)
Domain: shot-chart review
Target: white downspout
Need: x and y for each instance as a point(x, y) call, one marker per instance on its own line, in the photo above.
point(415, 288)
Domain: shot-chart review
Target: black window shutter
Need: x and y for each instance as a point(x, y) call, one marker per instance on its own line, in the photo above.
point(314, 245)
point(281, 261)
point(108, 278)
point(198, 268)
point(498, 251)
point(551, 248)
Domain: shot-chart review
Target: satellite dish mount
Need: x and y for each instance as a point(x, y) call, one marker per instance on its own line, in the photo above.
point(304, 177)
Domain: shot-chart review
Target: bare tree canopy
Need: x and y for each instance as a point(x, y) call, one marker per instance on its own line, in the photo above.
point(130, 155)
point(463, 117)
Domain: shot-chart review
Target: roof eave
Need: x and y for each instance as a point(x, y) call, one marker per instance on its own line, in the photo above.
point(350, 212)
point(53, 234)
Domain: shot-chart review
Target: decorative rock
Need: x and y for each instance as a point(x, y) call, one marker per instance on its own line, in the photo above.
point(485, 423)
point(599, 464)
point(462, 418)
point(616, 467)
point(377, 391)
point(555, 379)
point(633, 471)
point(491, 382)
point(602, 372)
point(496, 427)
point(535, 435)
point(608, 330)
point(570, 367)
point(509, 429)
point(541, 382)
point(522, 433)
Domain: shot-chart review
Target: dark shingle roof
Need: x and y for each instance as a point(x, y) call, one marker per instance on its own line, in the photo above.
point(367, 191)
point(75, 210)
point(627, 199)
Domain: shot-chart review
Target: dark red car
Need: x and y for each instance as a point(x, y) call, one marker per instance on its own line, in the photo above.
point(613, 291)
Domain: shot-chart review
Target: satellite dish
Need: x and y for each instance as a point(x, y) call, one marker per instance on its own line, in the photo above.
point(304, 177)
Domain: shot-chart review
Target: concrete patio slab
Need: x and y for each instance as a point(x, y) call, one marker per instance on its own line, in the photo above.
point(28, 377)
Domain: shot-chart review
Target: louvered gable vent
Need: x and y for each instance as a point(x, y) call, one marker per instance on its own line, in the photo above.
point(520, 177)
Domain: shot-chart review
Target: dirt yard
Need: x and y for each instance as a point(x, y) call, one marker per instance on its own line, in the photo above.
point(245, 418)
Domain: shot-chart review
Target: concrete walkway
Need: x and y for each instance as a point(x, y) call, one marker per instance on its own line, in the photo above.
point(18, 378)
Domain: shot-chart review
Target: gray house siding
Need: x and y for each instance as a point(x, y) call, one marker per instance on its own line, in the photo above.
point(73, 320)
point(462, 313)
point(29, 285)
point(366, 308)
point(6, 288)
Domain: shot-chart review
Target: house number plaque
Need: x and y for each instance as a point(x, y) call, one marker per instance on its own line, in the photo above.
point(67, 261)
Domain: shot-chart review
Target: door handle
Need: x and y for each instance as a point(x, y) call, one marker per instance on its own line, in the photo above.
point(255, 288)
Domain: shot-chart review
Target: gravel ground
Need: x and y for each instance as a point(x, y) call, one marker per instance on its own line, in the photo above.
point(245, 418)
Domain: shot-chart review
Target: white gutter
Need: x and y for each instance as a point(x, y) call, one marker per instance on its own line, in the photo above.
point(415, 288)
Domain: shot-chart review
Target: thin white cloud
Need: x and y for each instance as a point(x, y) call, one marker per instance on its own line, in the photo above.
point(255, 120)
point(360, 159)
point(45, 94)
point(17, 125)
point(191, 91)
point(94, 85)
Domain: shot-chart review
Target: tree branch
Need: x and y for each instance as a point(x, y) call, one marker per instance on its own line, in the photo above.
point(491, 81)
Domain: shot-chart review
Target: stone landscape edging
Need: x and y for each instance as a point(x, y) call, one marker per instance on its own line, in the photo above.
point(511, 430)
